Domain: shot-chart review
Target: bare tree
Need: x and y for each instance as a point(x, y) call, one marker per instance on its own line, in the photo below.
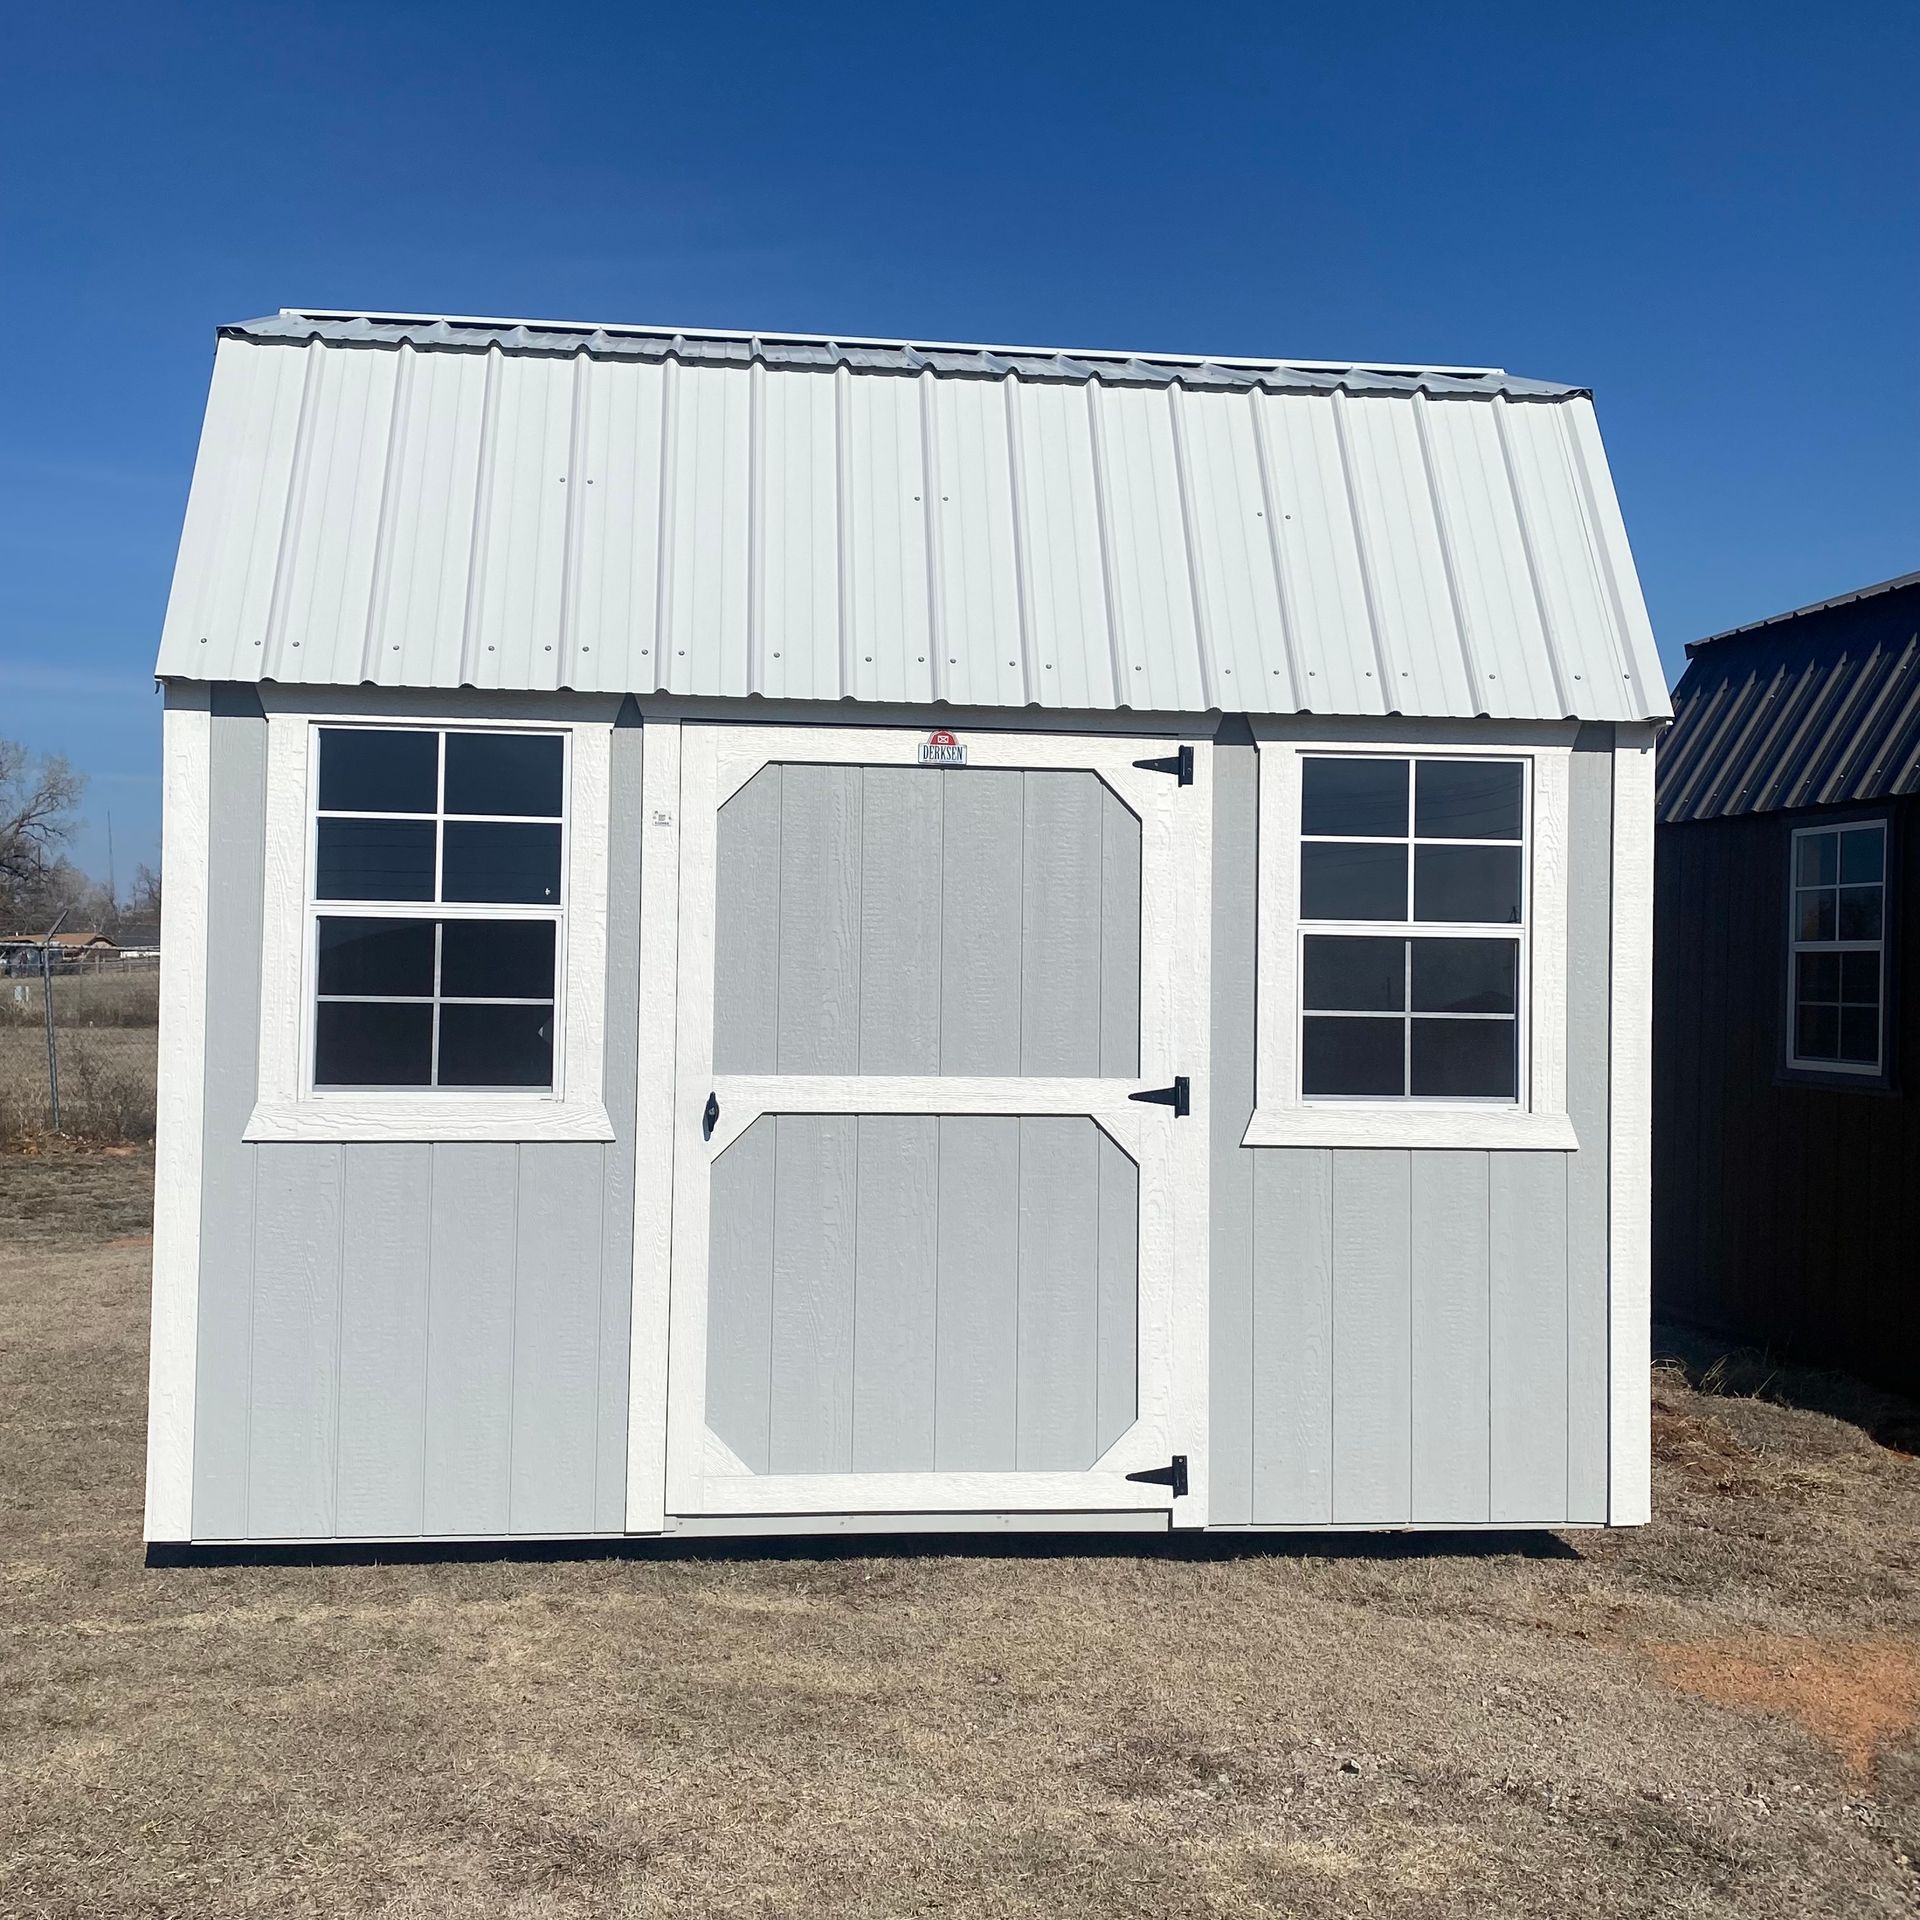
point(38, 795)
point(142, 903)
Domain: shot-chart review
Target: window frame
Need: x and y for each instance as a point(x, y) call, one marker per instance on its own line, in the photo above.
point(289, 1105)
point(1537, 1117)
point(1839, 1074)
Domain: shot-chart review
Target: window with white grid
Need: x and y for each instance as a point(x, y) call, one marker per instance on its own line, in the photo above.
point(437, 908)
point(1837, 939)
point(1413, 928)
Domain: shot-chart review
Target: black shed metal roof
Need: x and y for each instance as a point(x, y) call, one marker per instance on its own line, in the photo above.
point(1815, 708)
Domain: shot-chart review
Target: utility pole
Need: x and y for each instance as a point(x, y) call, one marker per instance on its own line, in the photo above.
point(46, 1002)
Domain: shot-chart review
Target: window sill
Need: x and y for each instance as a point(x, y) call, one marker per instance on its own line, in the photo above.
point(1489, 1128)
point(432, 1119)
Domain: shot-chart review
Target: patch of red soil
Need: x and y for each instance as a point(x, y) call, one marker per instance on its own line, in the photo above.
point(1856, 1696)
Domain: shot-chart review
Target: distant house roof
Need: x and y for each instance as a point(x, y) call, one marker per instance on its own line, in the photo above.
point(1817, 707)
point(425, 501)
point(71, 940)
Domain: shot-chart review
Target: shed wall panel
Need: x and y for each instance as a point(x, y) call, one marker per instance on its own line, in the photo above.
point(1409, 1337)
point(403, 1339)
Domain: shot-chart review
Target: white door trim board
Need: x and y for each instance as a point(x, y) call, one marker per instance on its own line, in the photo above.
point(653, 1129)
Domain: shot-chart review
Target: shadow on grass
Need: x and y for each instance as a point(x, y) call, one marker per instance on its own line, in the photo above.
point(1479, 1544)
point(1714, 1365)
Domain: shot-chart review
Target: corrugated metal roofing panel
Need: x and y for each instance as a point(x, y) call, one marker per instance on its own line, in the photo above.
point(1821, 708)
point(393, 503)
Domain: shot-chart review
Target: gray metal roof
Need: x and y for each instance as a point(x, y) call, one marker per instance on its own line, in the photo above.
point(424, 502)
point(1819, 707)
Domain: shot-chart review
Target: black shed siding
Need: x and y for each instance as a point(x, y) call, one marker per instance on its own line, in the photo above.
point(1785, 1214)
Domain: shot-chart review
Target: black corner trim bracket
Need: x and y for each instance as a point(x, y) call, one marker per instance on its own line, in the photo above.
point(1173, 1475)
point(1179, 764)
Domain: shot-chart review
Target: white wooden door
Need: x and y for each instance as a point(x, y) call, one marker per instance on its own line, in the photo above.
point(932, 1251)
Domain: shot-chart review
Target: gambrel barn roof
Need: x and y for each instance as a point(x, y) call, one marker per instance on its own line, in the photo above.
point(414, 501)
point(1819, 707)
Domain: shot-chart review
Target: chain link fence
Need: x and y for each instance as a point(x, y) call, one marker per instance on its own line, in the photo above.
point(79, 1043)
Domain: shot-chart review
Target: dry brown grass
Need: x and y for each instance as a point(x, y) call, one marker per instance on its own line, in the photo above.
point(1109, 1732)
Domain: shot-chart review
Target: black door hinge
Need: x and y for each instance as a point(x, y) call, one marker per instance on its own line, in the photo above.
point(1179, 1096)
point(711, 1118)
point(1173, 1474)
point(1179, 764)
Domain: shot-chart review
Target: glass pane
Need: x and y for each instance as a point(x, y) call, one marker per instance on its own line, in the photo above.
point(378, 770)
point(1467, 883)
point(1365, 797)
point(1820, 976)
point(360, 1043)
point(1818, 860)
point(482, 1046)
point(384, 957)
point(1464, 1059)
point(1467, 799)
point(1817, 1033)
point(504, 773)
point(1860, 913)
point(1361, 976)
point(1859, 978)
point(495, 862)
point(1464, 976)
point(1861, 853)
point(374, 860)
point(1353, 1057)
point(1352, 881)
point(499, 959)
point(1860, 1035)
point(1815, 918)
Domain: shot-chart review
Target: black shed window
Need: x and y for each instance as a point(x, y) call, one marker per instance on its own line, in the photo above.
point(438, 907)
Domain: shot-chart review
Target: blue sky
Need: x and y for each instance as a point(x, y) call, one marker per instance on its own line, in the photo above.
point(1711, 216)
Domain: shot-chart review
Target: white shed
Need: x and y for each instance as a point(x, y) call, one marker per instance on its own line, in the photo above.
point(780, 935)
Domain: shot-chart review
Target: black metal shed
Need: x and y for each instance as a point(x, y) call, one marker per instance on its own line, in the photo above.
point(1787, 921)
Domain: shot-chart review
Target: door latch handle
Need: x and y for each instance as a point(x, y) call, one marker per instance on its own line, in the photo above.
point(711, 1118)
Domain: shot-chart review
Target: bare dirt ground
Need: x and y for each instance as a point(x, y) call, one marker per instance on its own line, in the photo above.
point(1714, 1716)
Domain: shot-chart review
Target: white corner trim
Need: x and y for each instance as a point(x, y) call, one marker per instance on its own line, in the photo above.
point(1280, 1117)
point(186, 797)
point(1493, 1129)
point(653, 1130)
point(1630, 1160)
point(286, 1108)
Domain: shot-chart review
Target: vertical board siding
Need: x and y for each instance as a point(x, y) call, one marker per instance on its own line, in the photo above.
point(223, 1360)
point(1230, 1341)
point(473, 1209)
point(895, 1309)
point(899, 920)
point(1292, 1279)
point(556, 1338)
point(295, 1357)
point(384, 1269)
point(404, 1340)
point(1372, 1347)
point(903, 1293)
point(977, 1331)
point(1527, 1311)
point(1448, 1332)
point(1409, 1337)
point(815, 1203)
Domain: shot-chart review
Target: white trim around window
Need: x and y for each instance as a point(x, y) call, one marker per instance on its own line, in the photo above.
point(288, 1106)
point(1537, 1119)
point(1837, 897)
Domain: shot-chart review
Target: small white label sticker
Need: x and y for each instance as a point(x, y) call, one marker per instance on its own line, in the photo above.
point(941, 749)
